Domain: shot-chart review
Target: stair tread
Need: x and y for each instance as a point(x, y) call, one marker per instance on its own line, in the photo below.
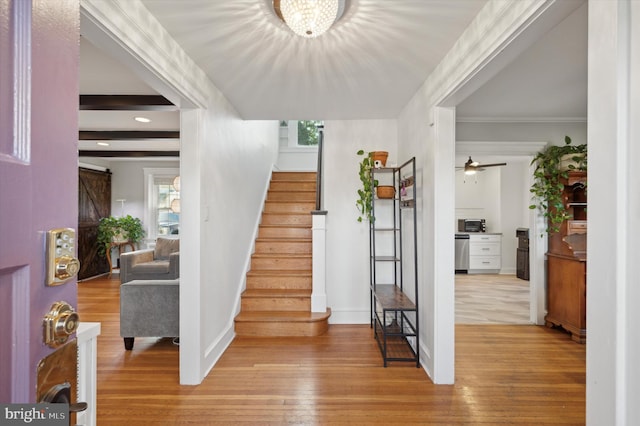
point(284, 239)
point(280, 225)
point(287, 213)
point(282, 255)
point(279, 273)
point(276, 293)
point(288, 316)
point(291, 201)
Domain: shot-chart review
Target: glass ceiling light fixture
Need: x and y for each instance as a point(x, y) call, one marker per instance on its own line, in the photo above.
point(309, 18)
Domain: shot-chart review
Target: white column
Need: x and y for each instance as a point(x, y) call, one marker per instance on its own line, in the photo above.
point(613, 346)
point(319, 269)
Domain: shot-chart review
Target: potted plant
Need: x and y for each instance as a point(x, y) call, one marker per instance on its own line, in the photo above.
point(553, 164)
point(118, 229)
point(365, 193)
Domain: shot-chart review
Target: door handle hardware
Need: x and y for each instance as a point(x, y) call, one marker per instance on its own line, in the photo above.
point(61, 322)
point(62, 265)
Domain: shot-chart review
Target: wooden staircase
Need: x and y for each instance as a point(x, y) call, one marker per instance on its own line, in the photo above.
point(277, 301)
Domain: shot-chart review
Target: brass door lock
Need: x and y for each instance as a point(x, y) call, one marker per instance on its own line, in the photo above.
point(62, 264)
point(61, 322)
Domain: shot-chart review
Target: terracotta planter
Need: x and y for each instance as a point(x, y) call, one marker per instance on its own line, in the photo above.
point(385, 191)
point(379, 158)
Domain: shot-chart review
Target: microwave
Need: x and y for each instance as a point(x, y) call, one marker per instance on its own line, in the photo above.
point(472, 225)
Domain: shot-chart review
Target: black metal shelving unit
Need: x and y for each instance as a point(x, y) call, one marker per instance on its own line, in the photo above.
point(394, 265)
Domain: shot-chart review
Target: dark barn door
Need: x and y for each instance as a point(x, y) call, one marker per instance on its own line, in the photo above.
point(94, 202)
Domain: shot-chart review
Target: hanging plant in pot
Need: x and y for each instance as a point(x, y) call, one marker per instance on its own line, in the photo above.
point(553, 165)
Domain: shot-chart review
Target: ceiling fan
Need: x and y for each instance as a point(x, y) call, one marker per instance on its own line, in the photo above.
point(471, 167)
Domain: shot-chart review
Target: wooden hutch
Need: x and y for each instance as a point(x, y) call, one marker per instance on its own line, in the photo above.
point(567, 263)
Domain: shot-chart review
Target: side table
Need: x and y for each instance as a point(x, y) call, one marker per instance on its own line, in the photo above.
point(120, 246)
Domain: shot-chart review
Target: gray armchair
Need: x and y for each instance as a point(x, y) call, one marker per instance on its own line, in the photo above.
point(149, 308)
point(161, 263)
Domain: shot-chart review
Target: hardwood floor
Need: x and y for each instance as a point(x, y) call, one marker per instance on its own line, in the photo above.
point(505, 374)
point(491, 299)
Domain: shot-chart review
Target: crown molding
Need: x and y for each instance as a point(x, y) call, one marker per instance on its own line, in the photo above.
point(521, 119)
point(499, 148)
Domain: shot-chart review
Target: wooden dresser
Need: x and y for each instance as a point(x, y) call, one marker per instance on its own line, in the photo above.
point(567, 264)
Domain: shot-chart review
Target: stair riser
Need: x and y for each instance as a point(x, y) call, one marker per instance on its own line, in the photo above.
point(287, 207)
point(275, 282)
point(291, 196)
point(268, 232)
point(276, 303)
point(283, 247)
point(288, 264)
point(297, 176)
point(292, 186)
point(286, 219)
point(281, 328)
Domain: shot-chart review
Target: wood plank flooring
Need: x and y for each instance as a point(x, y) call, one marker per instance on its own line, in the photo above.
point(491, 299)
point(505, 375)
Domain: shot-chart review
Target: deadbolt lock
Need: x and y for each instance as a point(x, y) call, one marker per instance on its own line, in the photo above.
point(61, 321)
point(62, 264)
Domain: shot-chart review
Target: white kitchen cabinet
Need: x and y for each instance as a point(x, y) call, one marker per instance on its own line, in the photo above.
point(485, 253)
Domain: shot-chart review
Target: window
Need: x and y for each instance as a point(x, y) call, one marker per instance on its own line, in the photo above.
point(302, 133)
point(162, 199)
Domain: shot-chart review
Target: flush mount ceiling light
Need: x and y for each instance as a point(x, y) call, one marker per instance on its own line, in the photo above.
point(142, 119)
point(309, 18)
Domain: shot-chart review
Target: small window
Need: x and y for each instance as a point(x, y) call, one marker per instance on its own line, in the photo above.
point(162, 198)
point(301, 133)
point(168, 211)
point(308, 134)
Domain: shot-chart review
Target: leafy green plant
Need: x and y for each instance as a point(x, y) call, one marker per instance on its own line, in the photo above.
point(547, 187)
point(126, 228)
point(364, 203)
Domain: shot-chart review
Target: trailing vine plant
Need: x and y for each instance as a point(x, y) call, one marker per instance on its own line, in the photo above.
point(548, 175)
point(364, 203)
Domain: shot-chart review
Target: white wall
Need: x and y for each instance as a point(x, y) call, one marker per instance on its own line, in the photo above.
point(236, 160)
point(501, 196)
point(127, 182)
point(292, 158)
point(525, 132)
point(479, 197)
point(348, 239)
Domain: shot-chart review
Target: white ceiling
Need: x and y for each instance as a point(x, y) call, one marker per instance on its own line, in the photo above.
point(367, 66)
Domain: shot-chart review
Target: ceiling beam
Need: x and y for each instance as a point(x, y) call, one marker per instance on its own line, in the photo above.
point(130, 154)
point(126, 103)
point(120, 135)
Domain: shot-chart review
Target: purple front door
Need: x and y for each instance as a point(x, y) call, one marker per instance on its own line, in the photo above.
point(39, 48)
